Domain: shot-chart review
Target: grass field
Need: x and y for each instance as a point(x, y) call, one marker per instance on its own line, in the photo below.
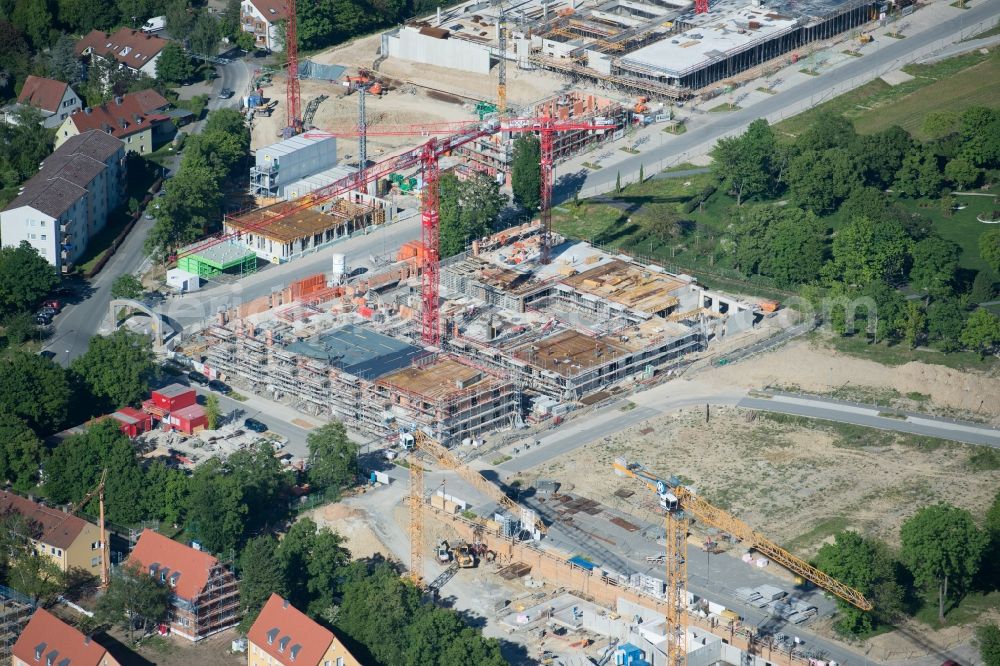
point(954, 84)
point(960, 227)
point(978, 85)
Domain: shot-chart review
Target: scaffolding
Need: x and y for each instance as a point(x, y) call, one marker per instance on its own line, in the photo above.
point(15, 611)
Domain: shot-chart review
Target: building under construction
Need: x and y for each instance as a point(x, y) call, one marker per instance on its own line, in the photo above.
point(522, 339)
point(289, 229)
point(656, 48)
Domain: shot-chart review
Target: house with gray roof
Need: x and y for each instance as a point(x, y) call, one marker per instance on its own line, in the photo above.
point(68, 201)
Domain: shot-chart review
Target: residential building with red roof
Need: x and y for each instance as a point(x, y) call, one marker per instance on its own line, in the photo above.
point(133, 118)
point(205, 595)
point(134, 49)
point(261, 18)
point(285, 635)
point(66, 539)
point(48, 641)
point(54, 99)
point(60, 208)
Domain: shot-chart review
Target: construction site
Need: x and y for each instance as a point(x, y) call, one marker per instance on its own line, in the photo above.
point(519, 339)
point(664, 49)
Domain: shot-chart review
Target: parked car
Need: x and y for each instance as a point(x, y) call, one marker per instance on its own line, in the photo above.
point(47, 354)
point(43, 319)
point(255, 425)
point(53, 304)
point(225, 93)
point(221, 387)
point(198, 378)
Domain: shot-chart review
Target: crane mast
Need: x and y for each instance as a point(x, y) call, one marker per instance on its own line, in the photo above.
point(680, 504)
point(502, 64)
point(293, 117)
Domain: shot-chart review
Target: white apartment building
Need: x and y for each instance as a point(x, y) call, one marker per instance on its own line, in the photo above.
point(68, 201)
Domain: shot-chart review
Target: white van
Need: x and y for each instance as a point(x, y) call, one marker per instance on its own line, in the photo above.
point(155, 24)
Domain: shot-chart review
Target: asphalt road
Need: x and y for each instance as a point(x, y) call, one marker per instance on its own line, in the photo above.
point(198, 306)
point(845, 77)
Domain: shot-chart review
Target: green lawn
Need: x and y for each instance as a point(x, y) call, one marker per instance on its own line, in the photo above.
point(953, 88)
point(972, 608)
point(961, 226)
point(978, 85)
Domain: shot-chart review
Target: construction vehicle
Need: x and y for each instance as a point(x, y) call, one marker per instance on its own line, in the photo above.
point(865, 38)
point(641, 105)
point(444, 552)
point(423, 443)
point(681, 504)
point(464, 557)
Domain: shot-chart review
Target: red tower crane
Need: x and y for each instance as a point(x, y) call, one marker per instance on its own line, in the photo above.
point(700, 6)
point(293, 99)
point(426, 156)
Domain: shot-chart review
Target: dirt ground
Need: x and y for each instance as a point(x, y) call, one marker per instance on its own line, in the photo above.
point(351, 524)
point(814, 367)
point(418, 94)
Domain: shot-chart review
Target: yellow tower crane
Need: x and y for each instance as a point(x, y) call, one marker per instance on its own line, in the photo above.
point(502, 63)
point(102, 531)
point(425, 444)
point(679, 503)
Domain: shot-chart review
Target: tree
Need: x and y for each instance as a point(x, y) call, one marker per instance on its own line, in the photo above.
point(25, 568)
point(205, 33)
point(744, 163)
point(82, 16)
point(827, 130)
point(865, 564)
point(333, 458)
point(133, 601)
point(35, 19)
point(179, 17)
point(935, 261)
point(820, 181)
point(35, 390)
point(215, 508)
point(313, 560)
point(525, 173)
point(989, 249)
point(962, 172)
point(165, 492)
point(212, 411)
point(939, 125)
point(988, 636)
point(865, 251)
point(127, 286)
point(942, 546)
point(173, 66)
point(982, 288)
point(919, 176)
point(945, 321)
point(25, 277)
point(797, 248)
point(117, 368)
point(980, 134)
point(76, 465)
point(914, 324)
point(260, 576)
point(20, 453)
point(882, 154)
point(15, 57)
point(468, 210)
point(982, 331)
point(384, 614)
point(63, 65)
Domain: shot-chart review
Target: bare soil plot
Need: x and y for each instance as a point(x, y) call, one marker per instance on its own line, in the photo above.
point(798, 482)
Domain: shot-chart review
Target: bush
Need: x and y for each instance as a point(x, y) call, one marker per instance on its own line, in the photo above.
point(692, 204)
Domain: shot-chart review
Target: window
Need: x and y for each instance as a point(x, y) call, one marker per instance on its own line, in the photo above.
point(340, 661)
point(43, 236)
point(94, 561)
point(31, 236)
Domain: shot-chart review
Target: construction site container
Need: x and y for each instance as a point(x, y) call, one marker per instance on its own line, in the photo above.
point(174, 397)
point(187, 420)
point(133, 422)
